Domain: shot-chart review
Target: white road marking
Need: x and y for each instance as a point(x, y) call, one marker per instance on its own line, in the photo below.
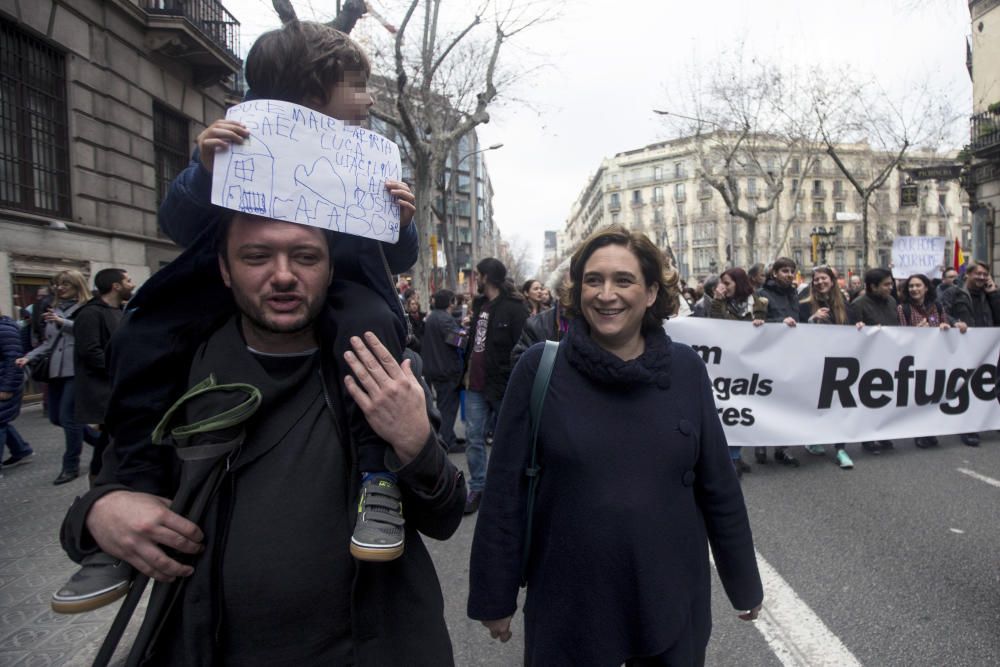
point(794, 632)
point(957, 531)
point(982, 478)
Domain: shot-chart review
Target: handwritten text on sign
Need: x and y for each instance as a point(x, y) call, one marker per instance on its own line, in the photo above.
point(917, 254)
point(302, 166)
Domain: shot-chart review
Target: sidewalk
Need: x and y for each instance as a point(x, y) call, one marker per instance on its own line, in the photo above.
point(33, 565)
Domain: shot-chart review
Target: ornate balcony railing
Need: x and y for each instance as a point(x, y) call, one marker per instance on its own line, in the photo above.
point(985, 128)
point(209, 17)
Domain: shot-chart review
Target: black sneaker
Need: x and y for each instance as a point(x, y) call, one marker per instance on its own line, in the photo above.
point(785, 458)
point(970, 439)
point(12, 461)
point(378, 532)
point(871, 448)
point(100, 580)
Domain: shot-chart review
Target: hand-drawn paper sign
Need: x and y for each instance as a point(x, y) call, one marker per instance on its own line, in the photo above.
point(302, 166)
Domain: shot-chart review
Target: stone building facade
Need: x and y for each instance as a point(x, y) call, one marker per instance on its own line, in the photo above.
point(983, 174)
point(659, 190)
point(100, 102)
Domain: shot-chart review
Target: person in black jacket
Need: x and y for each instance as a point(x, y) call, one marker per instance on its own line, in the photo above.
point(261, 520)
point(11, 390)
point(442, 354)
point(782, 306)
point(978, 305)
point(498, 316)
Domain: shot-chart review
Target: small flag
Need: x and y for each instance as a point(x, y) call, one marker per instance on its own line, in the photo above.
point(959, 259)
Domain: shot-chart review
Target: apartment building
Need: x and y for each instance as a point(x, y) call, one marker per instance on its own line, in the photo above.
point(983, 151)
point(659, 189)
point(100, 102)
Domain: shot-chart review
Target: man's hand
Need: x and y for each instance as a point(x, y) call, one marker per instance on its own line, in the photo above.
point(752, 614)
point(499, 629)
point(404, 199)
point(218, 136)
point(6, 395)
point(134, 526)
point(790, 321)
point(390, 396)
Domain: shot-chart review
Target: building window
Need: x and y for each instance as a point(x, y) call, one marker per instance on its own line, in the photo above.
point(615, 201)
point(838, 207)
point(34, 161)
point(817, 187)
point(170, 142)
point(818, 207)
point(795, 165)
point(903, 228)
point(679, 192)
point(657, 173)
point(614, 218)
point(795, 186)
point(658, 194)
point(841, 259)
point(678, 170)
point(751, 187)
point(615, 179)
point(838, 188)
point(818, 166)
point(798, 208)
point(637, 196)
point(704, 207)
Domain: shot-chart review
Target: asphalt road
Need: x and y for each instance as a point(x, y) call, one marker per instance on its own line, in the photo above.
point(897, 558)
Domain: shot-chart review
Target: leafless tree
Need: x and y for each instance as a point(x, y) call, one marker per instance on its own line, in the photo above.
point(516, 256)
point(852, 112)
point(748, 121)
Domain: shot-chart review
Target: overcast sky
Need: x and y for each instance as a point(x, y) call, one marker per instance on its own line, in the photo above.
point(609, 64)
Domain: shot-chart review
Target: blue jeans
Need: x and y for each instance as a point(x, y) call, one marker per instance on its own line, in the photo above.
point(447, 398)
point(62, 399)
point(15, 443)
point(478, 413)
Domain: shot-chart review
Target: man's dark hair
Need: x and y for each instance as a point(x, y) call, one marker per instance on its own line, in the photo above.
point(301, 61)
point(875, 276)
point(226, 222)
point(442, 299)
point(782, 263)
point(493, 270)
point(105, 279)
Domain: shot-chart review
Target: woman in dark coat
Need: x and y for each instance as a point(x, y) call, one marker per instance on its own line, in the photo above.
point(918, 307)
point(734, 299)
point(636, 483)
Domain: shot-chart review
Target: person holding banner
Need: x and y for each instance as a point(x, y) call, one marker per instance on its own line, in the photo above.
point(734, 299)
point(635, 483)
point(825, 304)
point(782, 301)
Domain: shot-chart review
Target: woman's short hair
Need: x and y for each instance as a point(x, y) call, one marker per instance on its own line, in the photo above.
point(652, 263)
point(744, 288)
point(76, 279)
point(302, 61)
point(929, 297)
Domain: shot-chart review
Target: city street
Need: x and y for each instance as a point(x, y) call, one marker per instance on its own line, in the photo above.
point(892, 563)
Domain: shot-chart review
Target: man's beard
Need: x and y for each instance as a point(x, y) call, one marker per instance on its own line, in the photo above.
point(255, 314)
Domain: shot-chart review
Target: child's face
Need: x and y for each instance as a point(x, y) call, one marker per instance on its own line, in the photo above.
point(349, 100)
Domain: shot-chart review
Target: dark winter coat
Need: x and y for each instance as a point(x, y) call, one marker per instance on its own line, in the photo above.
point(59, 343)
point(11, 377)
point(874, 310)
point(442, 361)
point(622, 444)
point(546, 325)
point(977, 309)
point(507, 318)
point(93, 326)
point(782, 301)
point(397, 607)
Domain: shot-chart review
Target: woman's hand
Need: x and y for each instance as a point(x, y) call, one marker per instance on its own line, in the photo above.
point(758, 323)
point(961, 326)
point(859, 325)
point(822, 314)
point(752, 614)
point(50, 316)
point(923, 324)
point(500, 628)
point(790, 321)
point(720, 291)
point(944, 326)
point(21, 362)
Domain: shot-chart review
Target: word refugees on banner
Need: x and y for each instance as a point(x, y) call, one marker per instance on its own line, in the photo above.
point(302, 166)
point(815, 384)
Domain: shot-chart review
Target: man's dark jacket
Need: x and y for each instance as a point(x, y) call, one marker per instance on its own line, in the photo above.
point(389, 628)
point(92, 328)
point(546, 325)
point(507, 317)
point(975, 308)
point(11, 377)
point(442, 361)
point(874, 310)
point(782, 300)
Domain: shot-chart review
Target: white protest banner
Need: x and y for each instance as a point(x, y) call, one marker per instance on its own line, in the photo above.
point(918, 254)
point(302, 166)
point(820, 384)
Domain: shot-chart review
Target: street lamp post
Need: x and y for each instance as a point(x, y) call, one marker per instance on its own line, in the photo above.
point(823, 240)
point(449, 223)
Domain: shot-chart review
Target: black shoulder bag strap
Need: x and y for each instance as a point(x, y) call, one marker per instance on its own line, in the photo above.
point(538, 391)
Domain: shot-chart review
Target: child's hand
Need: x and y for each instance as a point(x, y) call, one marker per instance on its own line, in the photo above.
point(404, 199)
point(219, 135)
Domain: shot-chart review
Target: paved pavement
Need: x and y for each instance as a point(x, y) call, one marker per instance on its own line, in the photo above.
point(897, 558)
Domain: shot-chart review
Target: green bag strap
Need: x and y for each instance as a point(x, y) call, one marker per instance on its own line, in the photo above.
point(538, 392)
point(179, 436)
